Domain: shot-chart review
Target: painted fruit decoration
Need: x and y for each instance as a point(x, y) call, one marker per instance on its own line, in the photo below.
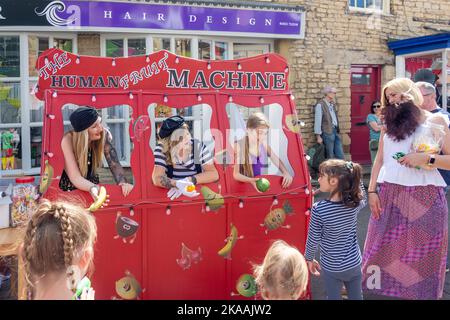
point(140, 126)
point(276, 217)
point(213, 200)
point(246, 286)
point(262, 184)
point(126, 228)
point(128, 287)
point(231, 242)
point(292, 123)
point(46, 178)
point(188, 256)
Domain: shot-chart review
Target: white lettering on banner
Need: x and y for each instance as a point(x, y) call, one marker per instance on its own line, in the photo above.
point(268, 22)
point(108, 15)
point(127, 16)
point(252, 21)
point(224, 20)
point(209, 19)
point(1, 16)
point(161, 17)
point(59, 62)
point(144, 16)
point(192, 18)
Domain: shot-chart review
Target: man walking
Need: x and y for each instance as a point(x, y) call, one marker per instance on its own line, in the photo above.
point(326, 124)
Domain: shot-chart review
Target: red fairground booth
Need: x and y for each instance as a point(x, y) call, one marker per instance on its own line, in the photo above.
point(148, 246)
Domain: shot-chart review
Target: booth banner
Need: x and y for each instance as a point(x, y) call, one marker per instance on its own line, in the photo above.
point(114, 15)
point(160, 71)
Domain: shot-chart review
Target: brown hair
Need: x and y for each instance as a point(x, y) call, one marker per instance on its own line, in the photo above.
point(283, 272)
point(255, 120)
point(349, 179)
point(57, 233)
point(401, 119)
point(168, 143)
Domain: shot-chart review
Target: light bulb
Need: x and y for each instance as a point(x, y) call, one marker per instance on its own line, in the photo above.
point(54, 94)
point(77, 61)
point(147, 59)
point(230, 99)
point(94, 98)
point(166, 99)
point(113, 62)
point(241, 204)
point(168, 211)
point(131, 95)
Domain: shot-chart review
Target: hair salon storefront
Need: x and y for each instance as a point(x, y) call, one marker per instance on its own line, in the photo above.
point(211, 30)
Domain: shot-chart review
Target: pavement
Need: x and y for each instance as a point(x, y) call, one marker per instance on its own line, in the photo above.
point(318, 286)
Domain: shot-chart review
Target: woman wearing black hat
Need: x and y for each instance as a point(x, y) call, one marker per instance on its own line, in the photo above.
point(180, 160)
point(83, 149)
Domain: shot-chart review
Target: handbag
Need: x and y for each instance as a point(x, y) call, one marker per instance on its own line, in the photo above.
point(373, 145)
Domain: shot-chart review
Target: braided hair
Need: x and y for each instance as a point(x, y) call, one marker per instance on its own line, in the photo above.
point(56, 234)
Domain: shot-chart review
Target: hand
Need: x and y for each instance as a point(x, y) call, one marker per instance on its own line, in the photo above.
point(375, 205)
point(174, 193)
point(314, 267)
point(414, 160)
point(94, 192)
point(126, 188)
point(287, 180)
point(253, 183)
point(319, 140)
point(183, 184)
point(87, 294)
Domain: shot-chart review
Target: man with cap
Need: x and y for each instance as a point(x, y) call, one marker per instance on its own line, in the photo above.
point(83, 149)
point(180, 160)
point(326, 124)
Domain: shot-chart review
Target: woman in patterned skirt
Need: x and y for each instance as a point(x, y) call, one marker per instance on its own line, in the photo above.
point(406, 246)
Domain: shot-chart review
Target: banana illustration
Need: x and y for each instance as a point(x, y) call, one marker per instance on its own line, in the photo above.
point(231, 242)
point(291, 123)
point(46, 178)
point(100, 200)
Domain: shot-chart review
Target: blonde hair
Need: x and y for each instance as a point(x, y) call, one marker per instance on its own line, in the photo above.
point(80, 145)
point(283, 272)
point(57, 233)
point(170, 142)
point(255, 120)
point(405, 87)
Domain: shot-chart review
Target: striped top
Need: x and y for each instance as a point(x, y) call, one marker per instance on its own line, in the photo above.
point(187, 169)
point(333, 225)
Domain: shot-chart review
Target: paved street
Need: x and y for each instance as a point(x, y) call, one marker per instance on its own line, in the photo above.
point(318, 287)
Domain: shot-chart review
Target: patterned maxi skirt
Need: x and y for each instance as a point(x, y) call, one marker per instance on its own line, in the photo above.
point(405, 251)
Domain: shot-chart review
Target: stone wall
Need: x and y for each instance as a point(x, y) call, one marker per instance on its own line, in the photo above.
point(337, 37)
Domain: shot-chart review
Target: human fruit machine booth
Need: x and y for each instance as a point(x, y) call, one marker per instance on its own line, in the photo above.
point(150, 246)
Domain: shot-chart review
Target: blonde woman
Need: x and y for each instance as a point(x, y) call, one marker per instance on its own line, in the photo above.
point(180, 160)
point(408, 229)
point(252, 152)
point(83, 149)
point(283, 275)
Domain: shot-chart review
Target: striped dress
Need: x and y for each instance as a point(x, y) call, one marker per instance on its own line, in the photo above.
point(333, 226)
point(187, 169)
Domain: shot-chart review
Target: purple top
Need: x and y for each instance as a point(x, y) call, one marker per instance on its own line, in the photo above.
point(260, 161)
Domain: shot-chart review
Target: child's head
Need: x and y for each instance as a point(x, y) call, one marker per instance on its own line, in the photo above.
point(283, 274)
point(343, 178)
point(59, 240)
point(257, 127)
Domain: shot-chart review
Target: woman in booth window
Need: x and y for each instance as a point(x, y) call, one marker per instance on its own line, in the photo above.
point(180, 160)
point(83, 149)
point(252, 153)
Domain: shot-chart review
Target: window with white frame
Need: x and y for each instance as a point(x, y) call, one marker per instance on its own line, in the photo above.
point(21, 114)
point(369, 5)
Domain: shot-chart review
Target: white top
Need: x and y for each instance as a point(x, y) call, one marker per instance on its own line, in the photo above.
point(393, 172)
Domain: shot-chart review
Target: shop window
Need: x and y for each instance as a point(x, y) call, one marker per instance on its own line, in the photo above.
point(369, 5)
point(204, 49)
point(9, 56)
point(221, 50)
point(360, 79)
point(273, 137)
point(36, 45)
point(183, 47)
point(161, 44)
point(35, 146)
point(10, 103)
point(116, 119)
point(114, 48)
point(63, 44)
point(197, 117)
point(136, 47)
point(10, 149)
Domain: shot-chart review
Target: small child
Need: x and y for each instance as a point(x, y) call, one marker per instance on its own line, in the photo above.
point(283, 274)
point(333, 225)
point(57, 251)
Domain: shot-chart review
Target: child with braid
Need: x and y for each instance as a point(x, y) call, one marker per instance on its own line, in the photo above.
point(57, 251)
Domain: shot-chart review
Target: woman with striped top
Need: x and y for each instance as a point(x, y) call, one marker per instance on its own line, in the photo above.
point(333, 225)
point(180, 160)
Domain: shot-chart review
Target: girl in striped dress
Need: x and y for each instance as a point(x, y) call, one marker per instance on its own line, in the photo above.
point(333, 225)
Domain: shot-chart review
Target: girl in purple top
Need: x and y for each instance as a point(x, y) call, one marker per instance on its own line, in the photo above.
point(252, 153)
